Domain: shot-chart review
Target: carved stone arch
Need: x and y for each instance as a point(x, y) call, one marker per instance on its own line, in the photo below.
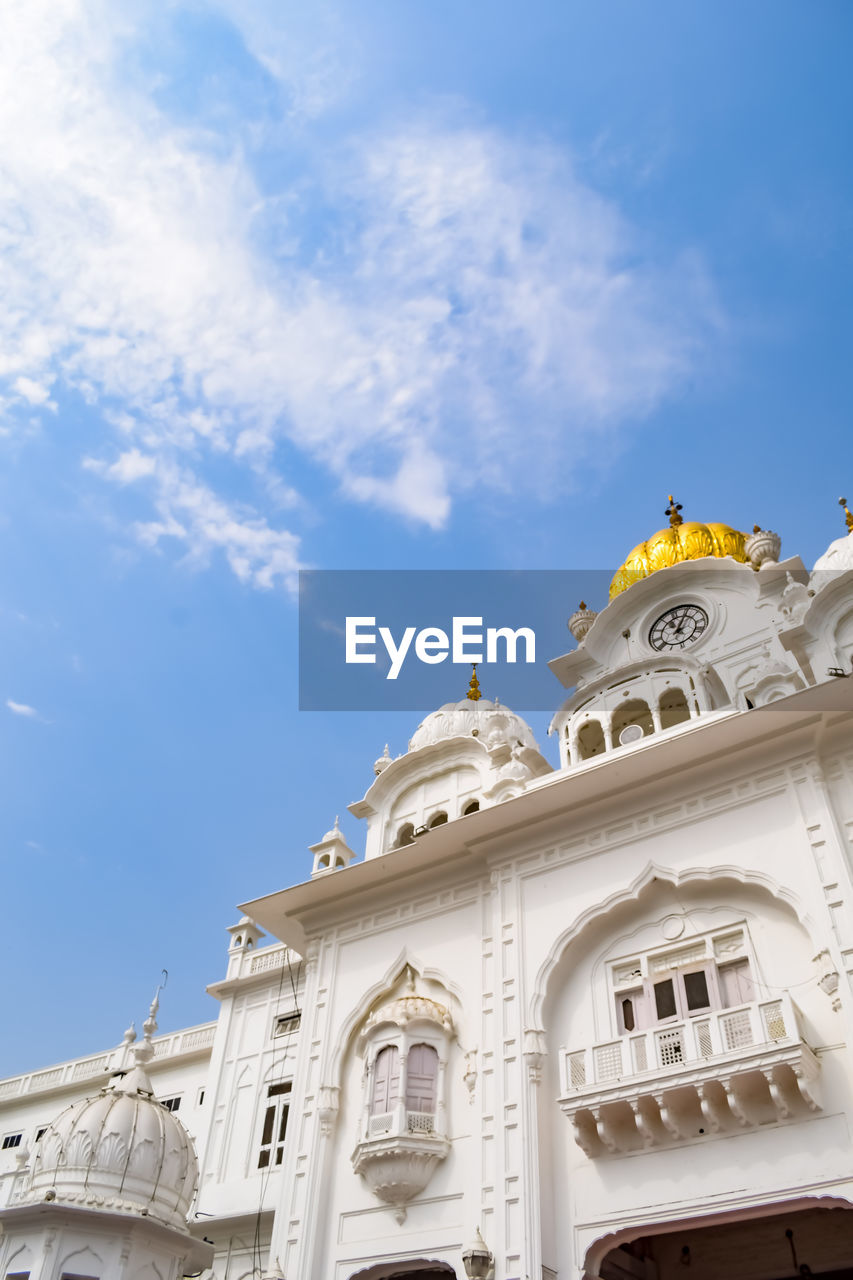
point(82, 1262)
point(357, 1017)
point(621, 897)
point(22, 1257)
point(277, 1069)
point(401, 1268)
point(148, 1272)
point(602, 1246)
point(243, 1078)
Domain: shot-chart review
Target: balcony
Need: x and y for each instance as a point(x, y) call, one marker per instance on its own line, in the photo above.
point(719, 1072)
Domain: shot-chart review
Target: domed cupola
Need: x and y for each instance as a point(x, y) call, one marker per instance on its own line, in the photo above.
point(489, 721)
point(120, 1151)
point(465, 756)
point(669, 648)
point(681, 541)
point(838, 556)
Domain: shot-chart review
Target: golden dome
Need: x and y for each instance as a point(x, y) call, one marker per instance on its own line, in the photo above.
point(683, 540)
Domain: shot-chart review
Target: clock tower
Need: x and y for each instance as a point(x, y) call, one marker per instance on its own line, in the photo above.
point(701, 640)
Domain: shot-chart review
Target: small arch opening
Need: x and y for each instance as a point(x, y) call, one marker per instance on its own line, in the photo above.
point(632, 712)
point(673, 708)
point(590, 740)
point(437, 820)
point(473, 806)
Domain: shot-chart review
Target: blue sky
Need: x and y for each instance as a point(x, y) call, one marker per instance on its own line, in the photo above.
point(376, 285)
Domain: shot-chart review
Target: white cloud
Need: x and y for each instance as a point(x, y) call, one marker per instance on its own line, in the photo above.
point(21, 709)
point(128, 467)
point(476, 316)
point(31, 391)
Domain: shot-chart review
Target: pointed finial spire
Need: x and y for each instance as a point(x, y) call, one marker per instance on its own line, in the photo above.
point(130, 1034)
point(848, 515)
point(474, 694)
point(144, 1051)
point(673, 511)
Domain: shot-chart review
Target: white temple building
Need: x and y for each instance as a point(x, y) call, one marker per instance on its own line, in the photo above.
point(592, 1021)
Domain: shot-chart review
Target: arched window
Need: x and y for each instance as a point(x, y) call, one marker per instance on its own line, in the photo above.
point(274, 1129)
point(437, 820)
point(673, 708)
point(421, 1079)
point(590, 740)
point(406, 835)
point(632, 712)
point(386, 1081)
point(472, 806)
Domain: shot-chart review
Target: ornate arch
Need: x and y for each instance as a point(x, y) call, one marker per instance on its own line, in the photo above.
point(403, 1267)
point(653, 872)
point(599, 1249)
point(85, 1259)
point(357, 1016)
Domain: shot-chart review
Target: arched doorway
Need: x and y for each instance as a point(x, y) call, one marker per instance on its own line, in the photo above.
point(411, 1269)
point(778, 1242)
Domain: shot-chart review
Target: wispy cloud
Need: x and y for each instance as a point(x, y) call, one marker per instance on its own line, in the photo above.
point(436, 302)
point(21, 709)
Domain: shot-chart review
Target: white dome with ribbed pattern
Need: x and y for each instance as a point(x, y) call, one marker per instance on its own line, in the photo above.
point(491, 722)
point(121, 1150)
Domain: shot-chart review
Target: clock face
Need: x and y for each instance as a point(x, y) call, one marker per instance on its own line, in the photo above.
point(679, 626)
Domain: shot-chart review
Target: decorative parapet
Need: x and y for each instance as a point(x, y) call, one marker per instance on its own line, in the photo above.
point(730, 1069)
point(268, 958)
point(68, 1074)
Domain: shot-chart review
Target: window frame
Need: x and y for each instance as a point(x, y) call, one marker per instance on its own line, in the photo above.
point(400, 1118)
point(723, 949)
point(274, 1114)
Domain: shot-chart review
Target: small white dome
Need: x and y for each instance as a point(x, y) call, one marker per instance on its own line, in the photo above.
point(489, 721)
point(121, 1150)
point(838, 556)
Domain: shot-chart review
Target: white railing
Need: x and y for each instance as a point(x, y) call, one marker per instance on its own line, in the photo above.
point(90, 1067)
point(269, 958)
point(199, 1039)
point(420, 1121)
point(79, 1070)
point(723, 1033)
point(386, 1122)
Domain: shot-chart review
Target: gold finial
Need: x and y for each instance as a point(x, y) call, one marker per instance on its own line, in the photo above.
point(848, 515)
point(582, 605)
point(474, 694)
point(673, 512)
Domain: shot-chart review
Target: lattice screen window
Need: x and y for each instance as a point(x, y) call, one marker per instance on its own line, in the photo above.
point(707, 973)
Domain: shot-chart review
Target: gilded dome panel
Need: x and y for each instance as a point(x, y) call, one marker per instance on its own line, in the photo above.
point(689, 540)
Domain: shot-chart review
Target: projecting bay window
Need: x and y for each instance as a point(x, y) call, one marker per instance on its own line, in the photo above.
point(420, 1068)
point(275, 1125)
point(683, 982)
